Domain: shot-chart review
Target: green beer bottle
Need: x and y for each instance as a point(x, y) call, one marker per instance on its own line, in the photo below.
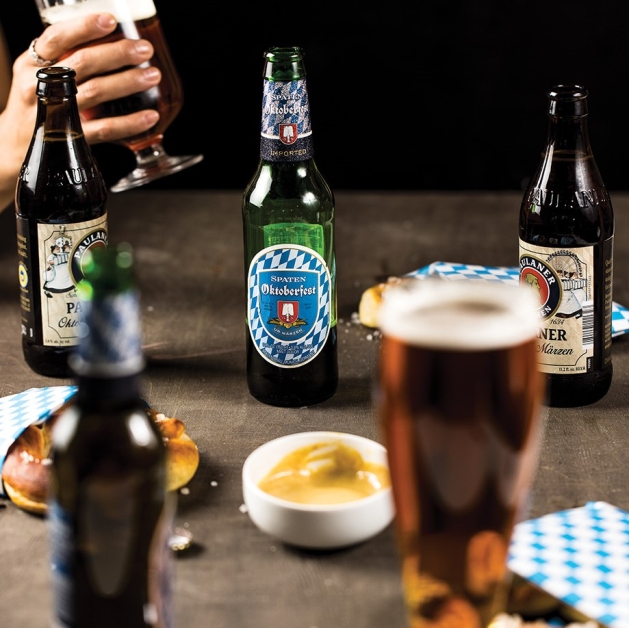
point(288, 222)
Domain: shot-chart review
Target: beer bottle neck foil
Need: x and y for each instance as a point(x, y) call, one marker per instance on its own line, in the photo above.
point(286, 133)
point(110, 343)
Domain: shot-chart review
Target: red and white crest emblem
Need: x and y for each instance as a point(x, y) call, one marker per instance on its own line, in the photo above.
point(288, 311)
point(288, 133)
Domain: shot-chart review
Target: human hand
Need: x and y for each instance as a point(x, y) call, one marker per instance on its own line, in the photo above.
point(74, 43)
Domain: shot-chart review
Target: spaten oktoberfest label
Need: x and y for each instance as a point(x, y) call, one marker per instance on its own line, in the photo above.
point(289, 304)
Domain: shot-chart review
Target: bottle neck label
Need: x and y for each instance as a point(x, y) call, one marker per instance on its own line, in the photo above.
point(286, 133)
point(111, 343)
point(49, 271)
point(575, 305)
point(289, 304)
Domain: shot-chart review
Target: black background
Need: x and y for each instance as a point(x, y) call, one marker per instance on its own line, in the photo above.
point(441, 95)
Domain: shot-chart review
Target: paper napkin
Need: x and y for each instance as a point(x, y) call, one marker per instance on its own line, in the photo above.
point(32, 406)
point(580, 557)
point(511, 275)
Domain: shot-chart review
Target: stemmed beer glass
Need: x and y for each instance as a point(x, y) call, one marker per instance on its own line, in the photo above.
point(137, 19)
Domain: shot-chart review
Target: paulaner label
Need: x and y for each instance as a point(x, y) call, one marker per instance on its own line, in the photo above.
point(289, 304)
point(286, 133)
point(563, 280)
point(60, 250)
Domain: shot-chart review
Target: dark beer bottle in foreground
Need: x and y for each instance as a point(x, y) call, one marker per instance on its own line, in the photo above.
point(566, 256)
point(109, 510)
point(288, 219)
point(60, 203)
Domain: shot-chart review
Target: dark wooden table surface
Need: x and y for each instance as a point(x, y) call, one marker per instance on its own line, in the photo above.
point(190, 265)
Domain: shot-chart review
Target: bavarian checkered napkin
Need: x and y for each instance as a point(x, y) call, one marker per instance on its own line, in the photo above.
point(579, 556)
point(19, 411)
point(507, 274)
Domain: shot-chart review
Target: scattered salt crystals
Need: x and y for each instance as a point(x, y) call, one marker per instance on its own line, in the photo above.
point(185, 491)
point(369, 337)
point(150, 308)
point(46, 461)
point(273, 548)
point(213, 483)
point(347, 331)
point(243, 508)
point(355, 318)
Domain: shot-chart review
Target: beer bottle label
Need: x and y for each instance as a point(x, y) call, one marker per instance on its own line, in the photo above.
point(289, 304)
point(61, 574)
point(59, 252)
point(286, 133)
point(565, 280)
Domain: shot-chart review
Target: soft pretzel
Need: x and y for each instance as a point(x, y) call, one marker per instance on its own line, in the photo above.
point(371, 300)
point(26, 469)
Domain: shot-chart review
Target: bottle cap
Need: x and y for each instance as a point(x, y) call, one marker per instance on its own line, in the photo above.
point(567, 101)
point(57, 77)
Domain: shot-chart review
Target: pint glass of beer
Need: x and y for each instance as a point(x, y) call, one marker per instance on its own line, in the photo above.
point(461, 400)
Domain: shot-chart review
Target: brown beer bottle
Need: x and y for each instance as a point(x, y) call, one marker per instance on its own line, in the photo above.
point(109, 509)
point(60, 203)
point(288, 221)
point(566, 255)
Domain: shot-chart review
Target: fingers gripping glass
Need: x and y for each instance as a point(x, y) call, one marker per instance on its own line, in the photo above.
point(136, 20)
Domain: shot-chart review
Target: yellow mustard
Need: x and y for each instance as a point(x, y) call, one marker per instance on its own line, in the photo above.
point(325, 473)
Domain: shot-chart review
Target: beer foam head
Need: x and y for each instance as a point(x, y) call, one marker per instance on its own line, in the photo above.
point(471, 315)
point(123, 10)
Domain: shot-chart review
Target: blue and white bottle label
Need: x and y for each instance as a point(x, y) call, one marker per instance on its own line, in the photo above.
point(289, 304)
point(286, 133)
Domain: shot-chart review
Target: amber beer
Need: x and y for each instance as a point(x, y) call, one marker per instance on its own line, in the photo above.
point(460, 397)
point(137, 19)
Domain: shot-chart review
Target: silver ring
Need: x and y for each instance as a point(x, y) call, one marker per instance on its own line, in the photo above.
point(36, 58)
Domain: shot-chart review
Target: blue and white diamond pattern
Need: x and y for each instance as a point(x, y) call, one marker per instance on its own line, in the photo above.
point(579, 556)
point(298, 352)
point(291, 94)
point(509, 275)
point(31, 406)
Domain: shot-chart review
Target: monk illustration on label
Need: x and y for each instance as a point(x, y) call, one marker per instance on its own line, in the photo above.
point(56, 274)
point(574, 287)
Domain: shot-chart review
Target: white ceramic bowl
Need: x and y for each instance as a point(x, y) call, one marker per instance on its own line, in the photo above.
point(315, 526)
